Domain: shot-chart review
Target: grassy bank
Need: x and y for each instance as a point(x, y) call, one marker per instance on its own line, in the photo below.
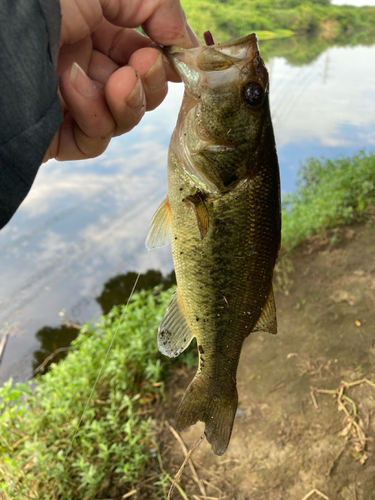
point(46, 454)
point(329, 194)
point(235, 18)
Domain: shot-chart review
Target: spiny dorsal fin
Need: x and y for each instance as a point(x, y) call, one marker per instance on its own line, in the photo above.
point(160, 232)
point(267, 321)
point(174, 331)
point(201, 212)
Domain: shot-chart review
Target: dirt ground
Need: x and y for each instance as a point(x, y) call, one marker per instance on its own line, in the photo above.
point(289, 439)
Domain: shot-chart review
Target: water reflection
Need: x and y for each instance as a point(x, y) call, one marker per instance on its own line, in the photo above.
point(51, 340)
point(84, 223)
point(117, 290)
point(326, 108)
point(303, 50)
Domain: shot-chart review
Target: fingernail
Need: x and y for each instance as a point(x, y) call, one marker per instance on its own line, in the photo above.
point(155, 77)
point(81, 82)
point(193, 37)
point(136, 97)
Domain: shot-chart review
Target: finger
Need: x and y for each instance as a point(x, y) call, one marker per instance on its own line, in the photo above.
point(149, 65)
point(101, 67)
point(164, 20)
point(118, 43)
point(93, 123)
point(170, 27)
point(79, 52)
point(79, 19)
point(126, 98)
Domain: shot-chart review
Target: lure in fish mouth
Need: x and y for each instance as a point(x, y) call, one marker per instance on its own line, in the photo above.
point(222, 215)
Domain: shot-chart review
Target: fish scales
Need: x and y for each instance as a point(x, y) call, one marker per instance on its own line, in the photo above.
point(222, 215)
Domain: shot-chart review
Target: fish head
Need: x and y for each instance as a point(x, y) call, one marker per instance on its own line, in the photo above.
point(224, 123)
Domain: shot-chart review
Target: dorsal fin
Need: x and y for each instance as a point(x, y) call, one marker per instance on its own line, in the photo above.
point(174, 331)
point(267, 321)
point(160, 232)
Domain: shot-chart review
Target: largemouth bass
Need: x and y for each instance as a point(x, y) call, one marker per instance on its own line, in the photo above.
point(222, 215)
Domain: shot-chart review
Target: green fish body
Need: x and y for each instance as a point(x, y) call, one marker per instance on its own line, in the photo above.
point(222, 215)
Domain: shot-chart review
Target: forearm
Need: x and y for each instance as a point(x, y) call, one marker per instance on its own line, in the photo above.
point(30, 111)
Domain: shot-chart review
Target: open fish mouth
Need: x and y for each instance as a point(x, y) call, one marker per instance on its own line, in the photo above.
point(215, 77)
point(211, 65)
point(245, 47)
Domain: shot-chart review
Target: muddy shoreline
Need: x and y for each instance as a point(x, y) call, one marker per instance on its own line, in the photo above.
point(289, 439)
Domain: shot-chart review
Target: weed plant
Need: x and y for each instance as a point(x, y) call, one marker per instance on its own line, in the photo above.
point(39, 457)
point(235, 18)
point(329, 194)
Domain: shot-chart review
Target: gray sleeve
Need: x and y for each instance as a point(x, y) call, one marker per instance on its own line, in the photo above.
point(30, 111)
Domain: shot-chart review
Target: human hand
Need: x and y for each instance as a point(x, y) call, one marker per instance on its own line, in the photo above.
point(110, 74)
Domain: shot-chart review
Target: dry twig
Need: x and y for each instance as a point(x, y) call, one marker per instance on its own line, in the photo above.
point(196, 497)
point(48, 359)
point(353, 430)
point(129, 494)
point(333, 462)
point(200, 497)
point(314, 398)
point(212, 486)
point(185, 452)
point(187, 458)
point(317, 492)
point(3, 344)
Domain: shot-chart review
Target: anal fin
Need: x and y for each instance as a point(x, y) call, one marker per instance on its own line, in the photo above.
point(267, 321)
point(160, 232)
point(174, 333)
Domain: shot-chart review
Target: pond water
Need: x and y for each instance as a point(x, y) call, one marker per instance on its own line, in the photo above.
point(67, 252)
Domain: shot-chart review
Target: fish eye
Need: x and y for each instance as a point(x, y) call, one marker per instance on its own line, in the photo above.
point(253, 93)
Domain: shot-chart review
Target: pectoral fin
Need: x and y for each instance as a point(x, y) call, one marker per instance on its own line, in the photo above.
point(160, 232)
point(267, 321)
point(201, 212)
point(174, 331)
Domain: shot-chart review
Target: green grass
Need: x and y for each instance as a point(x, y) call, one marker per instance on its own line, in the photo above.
point(109, 453)
point(329, 194)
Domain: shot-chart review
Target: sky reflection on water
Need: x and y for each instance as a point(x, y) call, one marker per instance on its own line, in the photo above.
point(85, 222)
point(325, 108)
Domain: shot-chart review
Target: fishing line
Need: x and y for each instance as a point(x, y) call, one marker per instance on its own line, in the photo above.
point(107, 353)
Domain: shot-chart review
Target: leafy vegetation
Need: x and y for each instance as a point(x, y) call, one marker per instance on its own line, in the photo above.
point(239, 17)
point(45, 453)
point(316, 24)
point(329, 193)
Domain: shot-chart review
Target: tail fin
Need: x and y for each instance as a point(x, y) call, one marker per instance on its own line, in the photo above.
point(217, 411)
